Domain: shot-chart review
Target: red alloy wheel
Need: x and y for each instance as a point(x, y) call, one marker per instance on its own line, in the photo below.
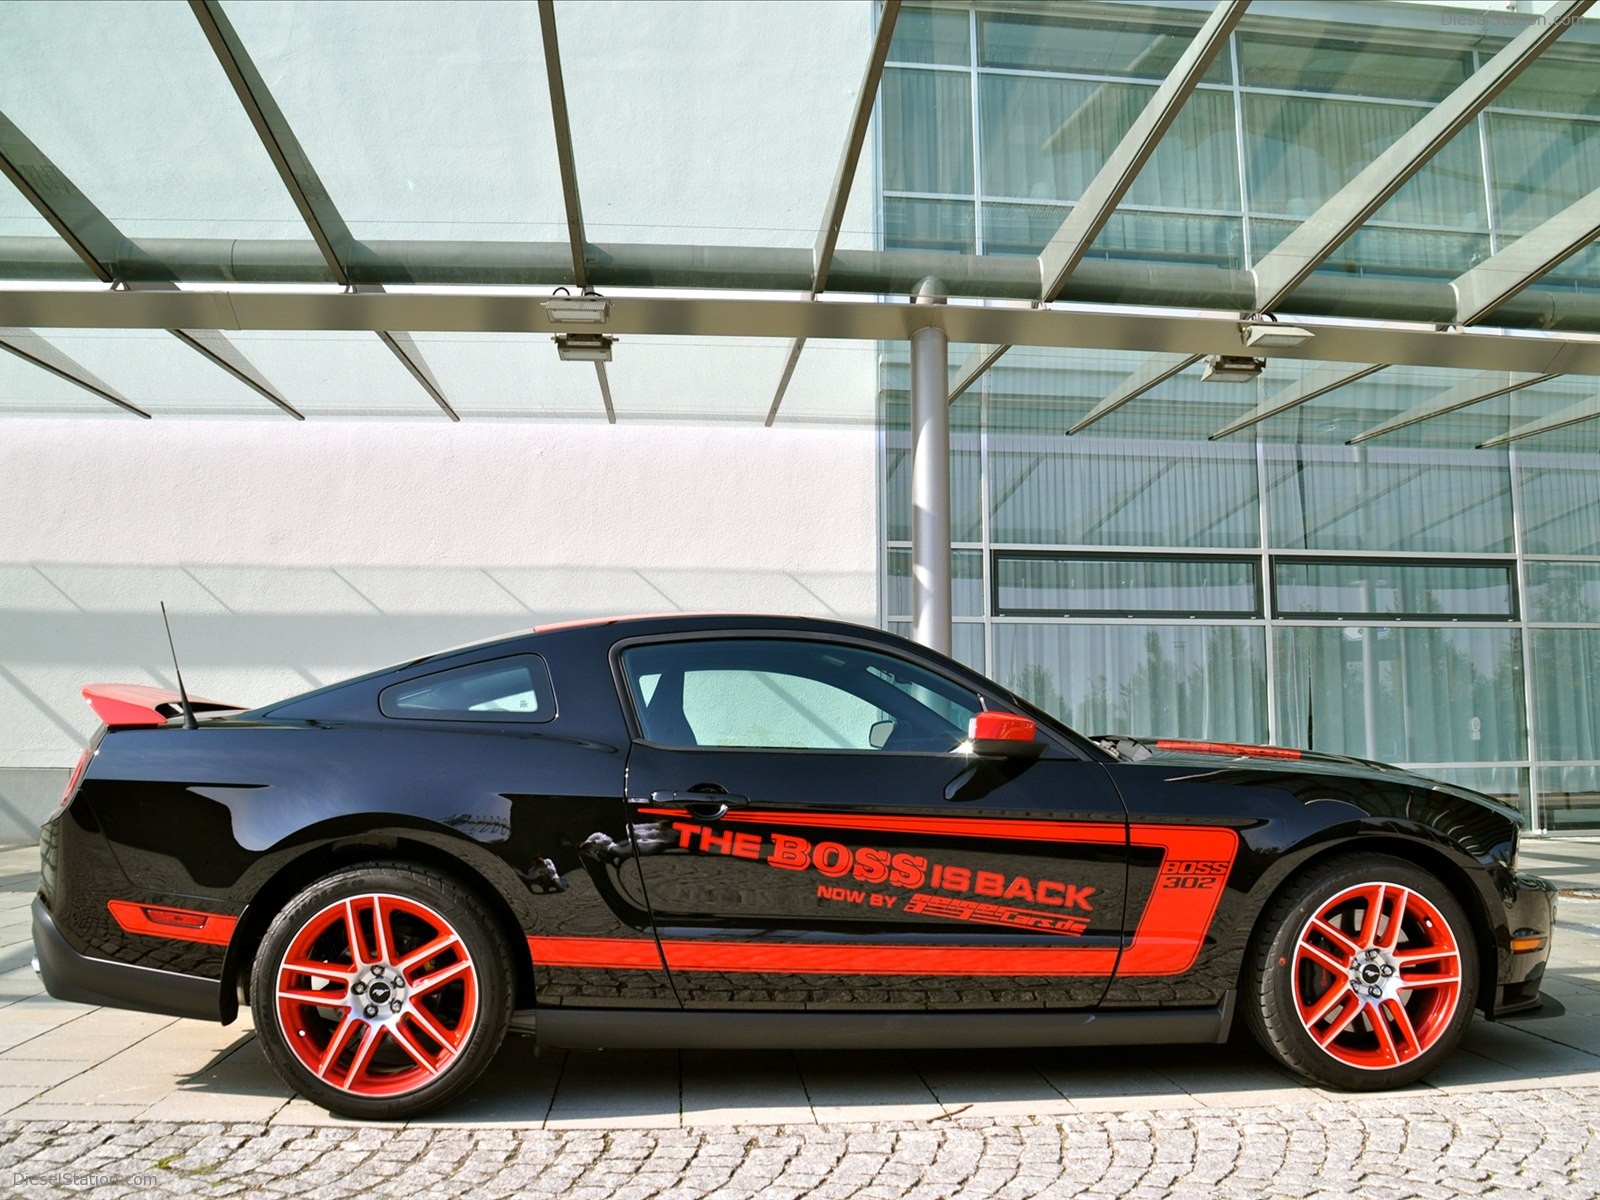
point(376, 995)
point(1376, 976)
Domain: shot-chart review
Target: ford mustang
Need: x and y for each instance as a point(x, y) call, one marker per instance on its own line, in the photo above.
point(733, 831)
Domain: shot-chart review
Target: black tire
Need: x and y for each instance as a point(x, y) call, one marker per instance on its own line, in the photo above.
point(414, 1014)
point(1371, 1030)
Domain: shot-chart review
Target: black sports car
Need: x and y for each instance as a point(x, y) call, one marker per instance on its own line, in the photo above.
point(757, 831)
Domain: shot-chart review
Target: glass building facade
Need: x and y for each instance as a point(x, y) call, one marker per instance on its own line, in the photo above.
point(1410, 598)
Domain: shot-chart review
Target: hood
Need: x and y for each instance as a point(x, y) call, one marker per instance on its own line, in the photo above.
point(1241, 755)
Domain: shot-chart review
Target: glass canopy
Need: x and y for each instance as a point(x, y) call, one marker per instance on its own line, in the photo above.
point(758, 189)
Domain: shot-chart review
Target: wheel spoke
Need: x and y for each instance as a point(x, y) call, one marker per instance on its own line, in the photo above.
point(1340, 1024)
point(336, 1043)
point(1408, 1046)
point(370, 1036)
point(445, 941)
point(1411, 958)
point(324, 998)
point(424, 984)
point(352, 931)
point(1335, 936)
point(1428, 981)
point(450, 1040)
point(403, 1037)
point(1369, 923)
point(1391, 935)
point(1325, 1005)
point(380, 931)
point(334, 972)
point(1324, 959)
point(1385, 1037)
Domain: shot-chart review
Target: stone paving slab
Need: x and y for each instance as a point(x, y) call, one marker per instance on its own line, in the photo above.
point(1427, 1145)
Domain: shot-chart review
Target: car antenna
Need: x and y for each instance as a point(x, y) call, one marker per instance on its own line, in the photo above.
point(183, 696)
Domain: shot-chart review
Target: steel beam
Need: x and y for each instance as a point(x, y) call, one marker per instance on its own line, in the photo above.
point(224, 354)
point(93, 238)
point(563, 133)
point(844, 177)
point(1283, 269)
point(1495, 280)
point(605, 392)
point(1574, 414)
point(404, 348)
point(1066, 248)
point(719, 316)
point(1479, 388)
point(1313, 384)
point(977, 362)
point(774, 269)
point(1152, 375)
point(32, 348)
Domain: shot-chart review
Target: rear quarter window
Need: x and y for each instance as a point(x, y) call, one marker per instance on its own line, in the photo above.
point(513, 689)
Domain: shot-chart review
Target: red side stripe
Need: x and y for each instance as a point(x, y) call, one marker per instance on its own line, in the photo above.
point(1230, 749)
point(811, 958)
point(179, 924)
point(1082, 832)
point(625, 953)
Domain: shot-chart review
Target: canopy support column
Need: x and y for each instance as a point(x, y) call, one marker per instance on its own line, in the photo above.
point(930, 478)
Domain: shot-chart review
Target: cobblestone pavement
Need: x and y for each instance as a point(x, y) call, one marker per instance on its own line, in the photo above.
point(1394, 1146)
point(105, 1104)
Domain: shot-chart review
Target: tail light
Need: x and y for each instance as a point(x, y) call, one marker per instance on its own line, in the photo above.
point(77, 774)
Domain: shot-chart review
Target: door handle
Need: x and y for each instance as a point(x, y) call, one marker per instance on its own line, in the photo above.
point(708, 806)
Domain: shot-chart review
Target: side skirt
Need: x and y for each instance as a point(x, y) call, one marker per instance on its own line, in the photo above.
point(623, 1029)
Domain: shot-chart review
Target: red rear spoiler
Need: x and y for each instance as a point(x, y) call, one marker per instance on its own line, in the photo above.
point(137, 704)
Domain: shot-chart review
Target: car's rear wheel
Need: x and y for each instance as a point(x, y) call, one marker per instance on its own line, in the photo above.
point(1363, 974)
point(381, 991)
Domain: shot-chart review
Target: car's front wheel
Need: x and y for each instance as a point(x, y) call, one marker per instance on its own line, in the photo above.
point(382, 990)
point(1363, 974)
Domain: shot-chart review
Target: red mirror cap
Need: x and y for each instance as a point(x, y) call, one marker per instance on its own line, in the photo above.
point(1001, 727)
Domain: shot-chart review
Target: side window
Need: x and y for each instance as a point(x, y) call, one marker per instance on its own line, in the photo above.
point(503, 689)
point(792, 694)
point(774, 708)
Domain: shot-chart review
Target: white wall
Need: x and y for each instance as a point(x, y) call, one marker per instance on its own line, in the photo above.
point(294, 554)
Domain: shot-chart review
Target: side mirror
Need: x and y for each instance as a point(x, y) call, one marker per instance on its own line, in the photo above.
point(878, 735)
point(1003, 735)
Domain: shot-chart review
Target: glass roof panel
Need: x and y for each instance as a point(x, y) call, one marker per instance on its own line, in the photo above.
point(130, 103)
point(18, 218)
point(1038, 389)
point(510, 375)
point(833, 383)
point(159, 373)
point(429, 122)
point(1474, 425)
point(711, 124)
point(28, 390)
point(1541, 164)
point(1187, 408)
point(1134, 44)
point(698, 379)
point(333, 373)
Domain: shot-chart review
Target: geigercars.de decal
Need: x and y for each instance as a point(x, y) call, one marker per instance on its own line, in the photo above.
point(1167, 938)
